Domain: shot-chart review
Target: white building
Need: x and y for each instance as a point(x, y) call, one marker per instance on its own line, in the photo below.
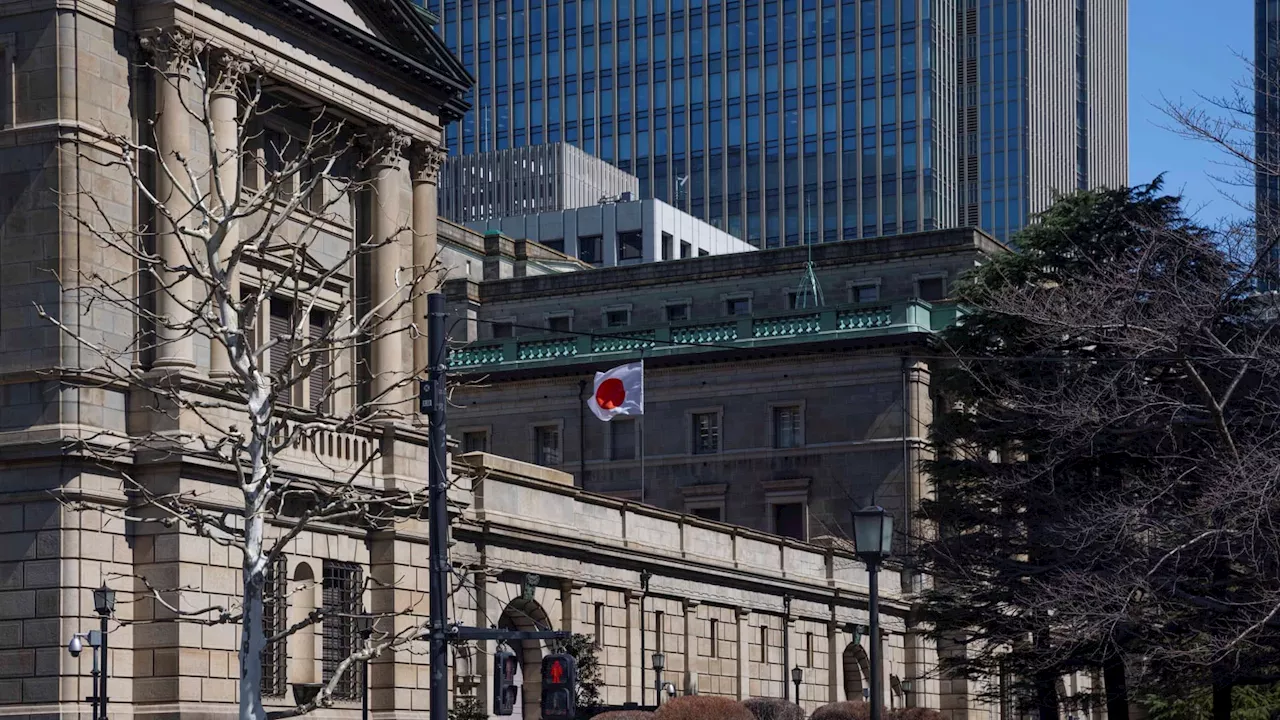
point(622, 233)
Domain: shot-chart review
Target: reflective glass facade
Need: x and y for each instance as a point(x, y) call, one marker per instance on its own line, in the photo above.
point(775, 120)
point(1267, 103)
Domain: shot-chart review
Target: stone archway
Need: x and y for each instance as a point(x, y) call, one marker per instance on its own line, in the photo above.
point(857, 668)
point(528, 615)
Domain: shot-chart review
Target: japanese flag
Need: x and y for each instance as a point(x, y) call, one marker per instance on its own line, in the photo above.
point(619, 391)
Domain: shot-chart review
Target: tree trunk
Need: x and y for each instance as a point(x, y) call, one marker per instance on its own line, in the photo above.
point(1222, 701)
point(1117, 692)
point(1047, 696)
point(256, 491)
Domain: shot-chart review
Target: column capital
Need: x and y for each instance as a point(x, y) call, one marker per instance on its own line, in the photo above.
point(572, 585)
point(385, 146)
point(744, 613)
point(171, 50)
point(425, 160)
point(633, 595)
point(690, 604)
point(227, 71)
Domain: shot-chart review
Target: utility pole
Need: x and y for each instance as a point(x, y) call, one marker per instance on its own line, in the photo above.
point(432, 398)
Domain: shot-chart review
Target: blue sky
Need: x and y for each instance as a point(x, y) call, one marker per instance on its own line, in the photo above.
point(1178, 48)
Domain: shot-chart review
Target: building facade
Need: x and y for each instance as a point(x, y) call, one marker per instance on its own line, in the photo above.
point(778, 120)
point(765, 119)
point(620, 233)
point(1266, 64)
point(1043, 107)
point(760, 411)
point(528, 180)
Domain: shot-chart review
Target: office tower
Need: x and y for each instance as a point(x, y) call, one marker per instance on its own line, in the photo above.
point(1267, 146)
point(1043, 105)
point(780, 120)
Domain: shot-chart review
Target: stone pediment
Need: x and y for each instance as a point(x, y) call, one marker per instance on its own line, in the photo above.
point(397, 36)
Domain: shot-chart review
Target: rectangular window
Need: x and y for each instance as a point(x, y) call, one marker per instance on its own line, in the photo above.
point(622, 439)
point(788, 520)
point(475, 441)
point(617, 318)
point(667, 246)
point(341, 589)
point(737, 306)
point(715, 638)
point(678, 312)
point(319, 384)
point(764, 643)
point(808, 649)
point(630, 246)
point(686, 249)
point(658, 630)
point(703, 253)
point(546, 440)
point(786, 427)
point(275, 614)
point(706, 433)
point(502, 330)
point(589, 250)
point(560, 323)
point(707, 513)
point(864, 293)
point(793, 299)
point(285, 348)
point(599, 626)
point(557, 245)
point(931, 289)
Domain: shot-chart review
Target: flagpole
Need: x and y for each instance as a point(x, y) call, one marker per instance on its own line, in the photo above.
point(642, 432)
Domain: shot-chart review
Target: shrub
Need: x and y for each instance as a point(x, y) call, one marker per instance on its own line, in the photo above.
point(915, 714)
point(845, 710)
point(703, 707)
point(775, 709)
point(624, 715)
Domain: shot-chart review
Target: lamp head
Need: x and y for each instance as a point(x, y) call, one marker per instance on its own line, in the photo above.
point(797, 674)
point(659, 661)
point(872, 534)
point(104, 600)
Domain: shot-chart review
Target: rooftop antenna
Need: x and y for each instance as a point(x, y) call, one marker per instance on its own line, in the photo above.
point(809, 293)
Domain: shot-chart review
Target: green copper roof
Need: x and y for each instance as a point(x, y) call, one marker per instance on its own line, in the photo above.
point(841, 322)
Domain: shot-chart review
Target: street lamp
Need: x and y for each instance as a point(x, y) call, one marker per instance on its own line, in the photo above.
point(786, 639)
point(873, 539)
point(104, 603)
point(645, 576)
point(364, 626)
point(797, 675)
point(659, 662)
point(906, 693)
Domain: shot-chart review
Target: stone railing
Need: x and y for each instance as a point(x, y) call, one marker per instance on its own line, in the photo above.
point(531, 498)
point(330, 455)
point(837, 322)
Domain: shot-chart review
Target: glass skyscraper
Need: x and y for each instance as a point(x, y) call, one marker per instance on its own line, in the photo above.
point(1267, 143)
point(776, 120)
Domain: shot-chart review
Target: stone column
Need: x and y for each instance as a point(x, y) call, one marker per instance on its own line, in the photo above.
point(744, 655)
point(389, 291)
point(171, 55)
point(634, 658)
point(425, 167)
point(835, 659)
point(224, 116)
point(690, 647)
point(570, 601)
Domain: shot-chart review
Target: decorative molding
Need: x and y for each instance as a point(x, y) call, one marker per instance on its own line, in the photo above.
point(228, 70)
point(171, 50)
point(386, 146)
point(425, 161)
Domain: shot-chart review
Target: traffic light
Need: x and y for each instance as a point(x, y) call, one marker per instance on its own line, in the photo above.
point(505, 691)
point(559, 687)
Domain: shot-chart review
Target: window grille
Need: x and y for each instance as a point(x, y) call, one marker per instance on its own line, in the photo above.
point(343, 583)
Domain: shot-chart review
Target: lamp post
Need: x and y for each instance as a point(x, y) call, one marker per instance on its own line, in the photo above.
point(104, 603)
point(797, 675)
point(644, 592)
point(786, 640)
point(906, 693)
point(75, 647)
point(659, 662)
point(364, 625)
point(873, 539)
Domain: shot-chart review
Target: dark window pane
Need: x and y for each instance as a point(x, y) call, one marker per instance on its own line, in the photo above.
point(547, 445)
point(932, 289)
point(589, 250)
point(341, 590)
point(678, 313)
point(559, 323)
point(711, 513)
point(475, 441)
point(706, 433)
point(275, 613)
point(630, 246)
point(502, 330)
point(788, 520)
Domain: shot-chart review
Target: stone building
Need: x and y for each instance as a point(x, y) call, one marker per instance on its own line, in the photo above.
point(763, 406)
point(79, 77)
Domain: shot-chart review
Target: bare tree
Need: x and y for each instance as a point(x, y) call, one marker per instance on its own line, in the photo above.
point(289, 360)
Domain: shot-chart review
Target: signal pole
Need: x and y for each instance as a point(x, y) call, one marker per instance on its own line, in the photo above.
point(432, 398)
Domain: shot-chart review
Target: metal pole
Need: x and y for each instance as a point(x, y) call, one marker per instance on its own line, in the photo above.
point(642, 458)
point(438, 518)
point(96, 685)
point(102, 699)
point(873, 582)
point(364, 694)
point(786, 656)
point(644, 659)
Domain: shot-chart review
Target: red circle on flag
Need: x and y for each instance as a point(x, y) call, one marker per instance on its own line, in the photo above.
point(611, 394)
